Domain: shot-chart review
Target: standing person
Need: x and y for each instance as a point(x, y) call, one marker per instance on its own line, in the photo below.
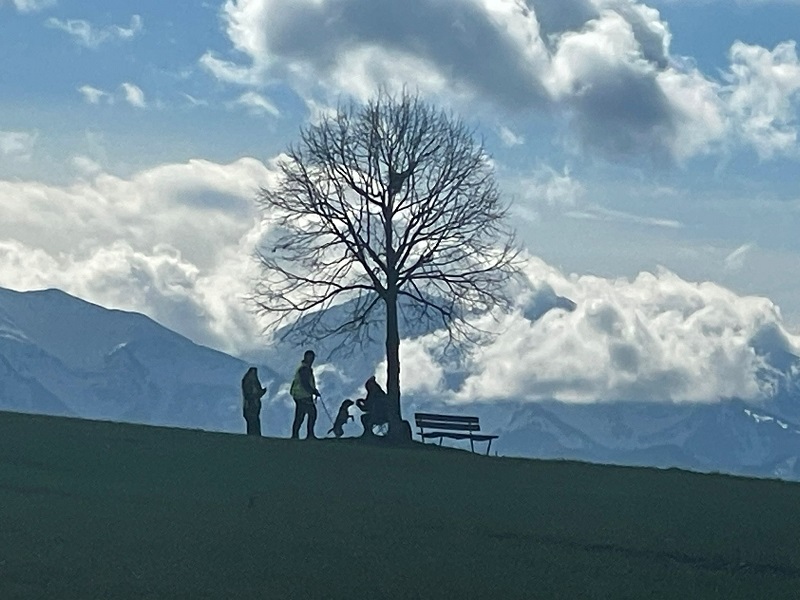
point(304, 392)
point(251, 401)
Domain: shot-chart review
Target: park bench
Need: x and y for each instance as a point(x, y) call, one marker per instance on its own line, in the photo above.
point(456, 427)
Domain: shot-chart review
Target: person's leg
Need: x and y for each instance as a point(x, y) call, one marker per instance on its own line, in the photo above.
point(366, 423)
point(312, 419)
point(253, 425)
point(299, 413)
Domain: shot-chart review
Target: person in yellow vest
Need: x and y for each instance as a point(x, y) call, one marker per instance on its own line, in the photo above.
point(304, 392)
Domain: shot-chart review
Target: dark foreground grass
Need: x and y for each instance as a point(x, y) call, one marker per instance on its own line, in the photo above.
point(104, 510)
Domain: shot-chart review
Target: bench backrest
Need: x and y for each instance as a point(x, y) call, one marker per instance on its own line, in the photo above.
point(448, 422)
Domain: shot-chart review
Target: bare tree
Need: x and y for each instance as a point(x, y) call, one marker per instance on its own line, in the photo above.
point(391, 205)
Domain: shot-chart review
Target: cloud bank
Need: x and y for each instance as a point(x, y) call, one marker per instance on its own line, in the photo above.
point(654, 338)
point(175, 242)
point(603, 66)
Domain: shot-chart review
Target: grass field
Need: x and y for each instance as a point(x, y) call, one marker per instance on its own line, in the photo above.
point(105, 510)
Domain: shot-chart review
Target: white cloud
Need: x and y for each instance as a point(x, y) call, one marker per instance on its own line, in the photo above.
point(28, 6)
point(257, 104)
point(86, 166)
point(91, 36)
point(94, 95)
point(509, 138)
point(228, 71)
point(17, 144)
point(603, 64)
point(736, 259)
point(131, 93)
point(600, 213)
point(174, 242)
point(134, 95)
point(194, 101)
point(654, 338)
point(763, 94)
point(543, 192)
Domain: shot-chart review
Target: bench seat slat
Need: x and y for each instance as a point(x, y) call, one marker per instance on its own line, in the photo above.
point(478, 437)
point(456, 426)
point(444, 418)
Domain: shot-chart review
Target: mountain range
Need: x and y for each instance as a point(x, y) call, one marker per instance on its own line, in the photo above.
point(61, 355)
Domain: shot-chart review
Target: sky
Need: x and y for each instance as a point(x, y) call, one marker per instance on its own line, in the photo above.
point(649, 151)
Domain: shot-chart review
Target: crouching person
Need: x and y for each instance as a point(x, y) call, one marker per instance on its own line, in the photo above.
point(375, 407)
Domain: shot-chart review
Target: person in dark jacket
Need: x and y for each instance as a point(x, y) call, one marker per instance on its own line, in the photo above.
point(304, 392)
point(252, 393)
point(375, 406)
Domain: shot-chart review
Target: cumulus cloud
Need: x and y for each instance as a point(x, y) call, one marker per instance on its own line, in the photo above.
point(764, 89)
point(134, 95)
point(605, 65)
point(174, 242)
point(654, 338)
point(90, 36)
point(17, 144)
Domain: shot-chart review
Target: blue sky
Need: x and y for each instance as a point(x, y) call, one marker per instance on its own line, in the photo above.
point(631, 138)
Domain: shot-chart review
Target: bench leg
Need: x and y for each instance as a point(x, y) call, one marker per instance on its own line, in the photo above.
point(472, 445)
point(489, 447)
point(440, 440)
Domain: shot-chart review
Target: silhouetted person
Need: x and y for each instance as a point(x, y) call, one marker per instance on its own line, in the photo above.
point(375, 406)
point(304, 391)
point(342, 417)
point(251, 401)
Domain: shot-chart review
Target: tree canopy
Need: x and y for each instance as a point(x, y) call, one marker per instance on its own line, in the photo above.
point(388, 205)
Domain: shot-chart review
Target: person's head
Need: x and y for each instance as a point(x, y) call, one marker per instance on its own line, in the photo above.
point(252, 371)
point(370, 384)
point(308, 357)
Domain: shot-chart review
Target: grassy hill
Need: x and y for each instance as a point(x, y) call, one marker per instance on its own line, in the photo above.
point(106, 510)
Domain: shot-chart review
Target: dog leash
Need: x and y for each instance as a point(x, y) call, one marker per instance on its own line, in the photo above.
point(325, 408)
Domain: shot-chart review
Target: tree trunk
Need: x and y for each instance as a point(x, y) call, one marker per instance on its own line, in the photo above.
point(392, 356)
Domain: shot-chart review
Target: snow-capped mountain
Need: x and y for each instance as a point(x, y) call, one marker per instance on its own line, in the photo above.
point(61, 355)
